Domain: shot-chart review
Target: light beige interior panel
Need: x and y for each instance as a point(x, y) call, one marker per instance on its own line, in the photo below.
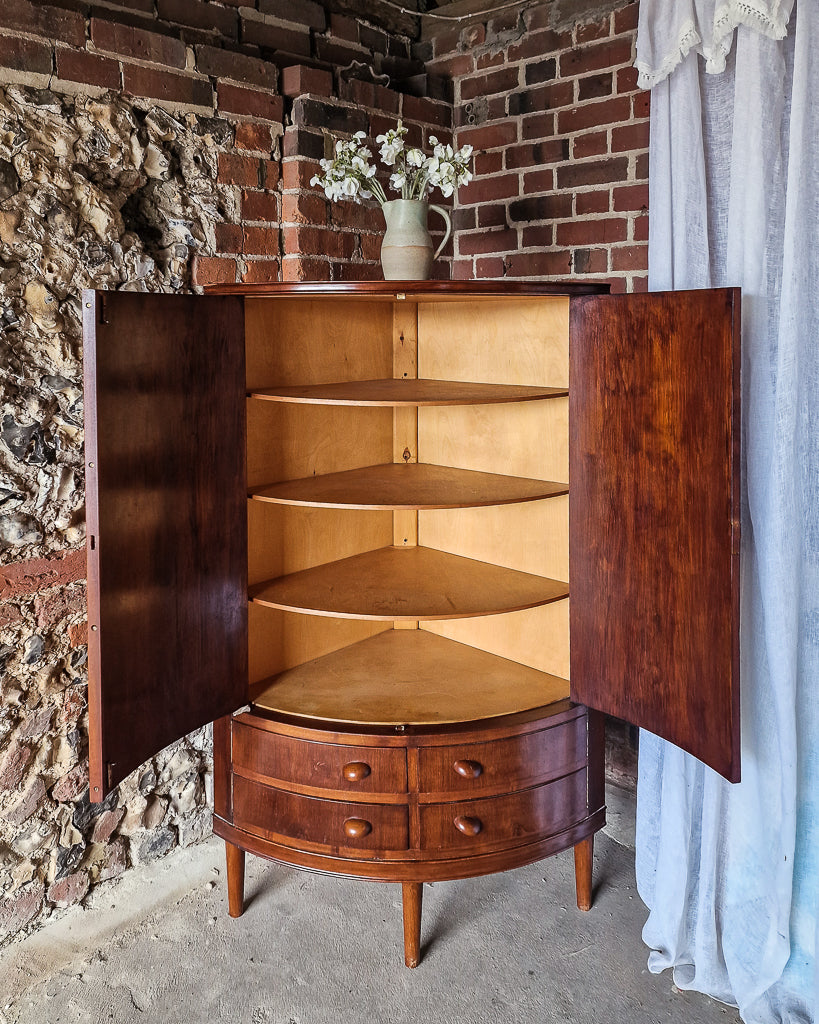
point(287, 538)
point(538, 637)
point(316, 341)
point(525, 341)
point(520, 439)
point(531, 537)
point(288, 442)
point(280, 640)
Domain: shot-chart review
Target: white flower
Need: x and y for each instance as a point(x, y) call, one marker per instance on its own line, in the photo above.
point(397, 180)
point(415, 158)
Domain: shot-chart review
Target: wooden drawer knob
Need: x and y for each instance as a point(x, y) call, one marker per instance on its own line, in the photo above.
point(355, 771)
point(357, 828)
point(469, 826)
point(468, 769)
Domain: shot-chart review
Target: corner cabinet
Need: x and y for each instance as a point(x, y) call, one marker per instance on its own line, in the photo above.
point(404, 542)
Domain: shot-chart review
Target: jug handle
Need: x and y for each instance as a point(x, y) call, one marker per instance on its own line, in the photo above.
point(447, 233)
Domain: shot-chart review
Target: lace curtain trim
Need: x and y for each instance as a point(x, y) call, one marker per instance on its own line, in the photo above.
point(727, 17)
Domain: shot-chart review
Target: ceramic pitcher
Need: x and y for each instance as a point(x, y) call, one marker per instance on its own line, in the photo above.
point(406, 252)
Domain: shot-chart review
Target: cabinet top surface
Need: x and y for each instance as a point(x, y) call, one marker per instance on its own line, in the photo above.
point(410, 290)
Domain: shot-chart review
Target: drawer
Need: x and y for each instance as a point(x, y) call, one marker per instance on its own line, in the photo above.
point(321, 765)
point(505, 820)
point(275, 813)
point(516, 762)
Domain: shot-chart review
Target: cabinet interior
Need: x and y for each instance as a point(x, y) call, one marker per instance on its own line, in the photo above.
point(398, 633)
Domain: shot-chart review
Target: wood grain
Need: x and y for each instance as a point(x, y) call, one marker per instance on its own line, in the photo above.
point(414, 583)
point(401, 391)
point(166, 518)
point(654, 515)
point(412, 894)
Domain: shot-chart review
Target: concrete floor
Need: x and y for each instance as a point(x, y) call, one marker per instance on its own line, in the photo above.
point(506, 949)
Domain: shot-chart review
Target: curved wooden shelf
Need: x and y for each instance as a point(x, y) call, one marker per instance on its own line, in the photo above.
point(410, 392)
point(412, 677)
point(407, 584)
point(408, 486)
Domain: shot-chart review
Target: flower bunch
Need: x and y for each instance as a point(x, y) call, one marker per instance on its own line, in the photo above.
point(350, 175)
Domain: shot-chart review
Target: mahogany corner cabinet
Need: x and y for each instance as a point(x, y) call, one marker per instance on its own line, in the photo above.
point(404, 543)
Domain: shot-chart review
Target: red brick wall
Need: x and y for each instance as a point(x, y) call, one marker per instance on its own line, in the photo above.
point(561, 186)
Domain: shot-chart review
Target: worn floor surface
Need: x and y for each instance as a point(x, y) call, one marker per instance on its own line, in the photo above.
point(159, 948)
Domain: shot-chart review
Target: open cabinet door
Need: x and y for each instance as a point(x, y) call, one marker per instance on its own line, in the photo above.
point(166, 507)
point(654, 482)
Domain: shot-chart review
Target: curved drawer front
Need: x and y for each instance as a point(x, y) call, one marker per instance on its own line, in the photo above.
point(494, 821)
point(504, 764)
point(271, 812)
point(322, 765)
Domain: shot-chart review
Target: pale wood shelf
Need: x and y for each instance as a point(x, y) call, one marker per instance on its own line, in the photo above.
point(409, 677)
point(408, 486)
point(408, 584)
point(410, 392)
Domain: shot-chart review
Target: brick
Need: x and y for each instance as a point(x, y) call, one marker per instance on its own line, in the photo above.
point(72, 784)
point(314, 241)
point(355, 217)
point(507, 21)
point(629, 137)
point(329, 116)
point(490, 215)
point(371, 246)
point(455, 65)
point(538, 264)
point(51, 607)
point(541, 71)
point(597, 172)
point(227, 64)
point(537, 153)
point(238, 170)
point(641, 167)
point(271, 173)
point(276, 37)
point(598, 57)
point(304, 209)
point(550, 207)
point(641, 103)
point(360, 271)
point(213, 270)
point(69, 890)
point(80, 66)
point(331, 51)
point(593, 231)
point(419, 108)
point(593, 87)
point(590, 144)
point(301, 81)
point(233, 99)
point(13, 764)
point(489, 136)
point(367, 94)
point(592, 202)
point(256, 137)
point(471, 243)
point(299, 142)
point(260, 206)
point(590, 261)
point(23, 578)
point(298, 173)
point(136, 42)
point(25, 55)
point(162, 85)
point(303, 12)
point(21, 810)
point(447, 41)
point(592, 115)
point(194, 14)
point(639, 283)
point(632, 197)
point(626, 79)
point(295, 268)
point(490, 60)
point(629, 257)
point(536, 44)
point(546, 97)
point(373, 39)
point(537, 126)
point(541, 236)
point(640, 230)
point(261, 241)
point(593, 31)
point(43, 20)
point(463, 270)
point(617, 285)
point(261, 272)
point(494, 82)
point(485, 190)
point(486, 163)
point(539, 181)
point(625, 20)
point(229, 238)
point(21, 909)
point(106, 823)
point(78, 634)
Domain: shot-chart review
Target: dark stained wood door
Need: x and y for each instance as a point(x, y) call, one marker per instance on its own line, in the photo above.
point(654, 484)
point(167, 570)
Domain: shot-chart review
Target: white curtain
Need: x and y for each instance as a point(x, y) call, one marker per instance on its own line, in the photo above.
point(731, 873)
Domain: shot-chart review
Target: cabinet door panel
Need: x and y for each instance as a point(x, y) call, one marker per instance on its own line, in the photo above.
point(654, 484)
point(167, 590)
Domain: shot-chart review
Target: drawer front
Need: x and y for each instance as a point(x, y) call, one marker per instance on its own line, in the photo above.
point(321, 765)
point(333, 824)
point(506, 764)
point(515, 819)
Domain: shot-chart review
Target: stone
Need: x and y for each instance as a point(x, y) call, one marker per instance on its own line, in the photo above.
point(106, 824)
point(22, 809)
point(115, 861)
point(13, 765)
point(155, 813)
point(85, 812)
point(68, 860)
point(18, 911)
point(69, 890)
point(72, 783)
point(155, 845)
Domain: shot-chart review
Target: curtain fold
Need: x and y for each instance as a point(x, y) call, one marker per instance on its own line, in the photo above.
point(731, 873)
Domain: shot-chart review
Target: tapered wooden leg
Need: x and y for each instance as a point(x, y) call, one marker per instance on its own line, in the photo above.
point(583, 855)
point(235, 879)
point(412, 894)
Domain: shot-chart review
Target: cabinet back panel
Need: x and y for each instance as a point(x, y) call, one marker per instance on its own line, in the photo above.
point(288, 442)
point(316, 341)
point(538, 637)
